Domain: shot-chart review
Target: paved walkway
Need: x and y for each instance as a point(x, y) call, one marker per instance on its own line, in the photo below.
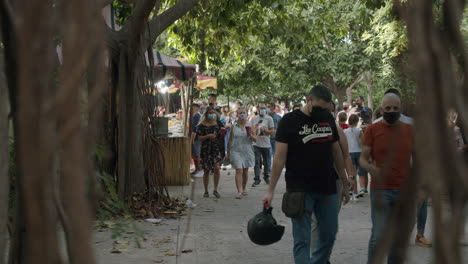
point(216, 232)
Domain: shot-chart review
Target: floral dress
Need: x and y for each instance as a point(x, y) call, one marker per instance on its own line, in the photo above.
point(210, 149)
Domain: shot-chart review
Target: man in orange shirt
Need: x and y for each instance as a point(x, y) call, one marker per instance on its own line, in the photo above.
point(389, 145)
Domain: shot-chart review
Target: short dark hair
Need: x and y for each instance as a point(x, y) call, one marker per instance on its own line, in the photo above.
point(321, 92)
point(353, 120)
point(342, 117)
point(297, 105)
point(393, 91)
point(195, 106)
point(212, 95)
point(361, 97)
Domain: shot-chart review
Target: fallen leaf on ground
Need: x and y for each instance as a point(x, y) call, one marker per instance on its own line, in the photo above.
point(187, 251)
point(209, 210)
point(170, 212)
point(168, 253)
point(116, 251)
point(122, 242)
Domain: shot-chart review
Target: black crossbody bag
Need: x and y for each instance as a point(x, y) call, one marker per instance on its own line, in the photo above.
point(293, 204)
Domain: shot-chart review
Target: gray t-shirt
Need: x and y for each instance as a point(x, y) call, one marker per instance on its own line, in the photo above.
point(263, 140)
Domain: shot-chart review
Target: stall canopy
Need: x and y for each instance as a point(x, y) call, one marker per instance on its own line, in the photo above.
point(206, 82)
point(164, 64)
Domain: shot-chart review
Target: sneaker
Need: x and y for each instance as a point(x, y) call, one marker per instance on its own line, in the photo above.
point(255, 183)
point(267, 180)
point(198, 174)
point(216, 194)
point(422, 241)
point(206, 195)
point(360, 194)
point(366, 191)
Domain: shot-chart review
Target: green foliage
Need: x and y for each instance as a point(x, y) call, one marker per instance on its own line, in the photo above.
point(274, 49)
point(113, 212)
point(122, 11)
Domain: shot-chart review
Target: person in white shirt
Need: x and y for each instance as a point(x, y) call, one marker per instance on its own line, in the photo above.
point(353, 134)
point(264, 127)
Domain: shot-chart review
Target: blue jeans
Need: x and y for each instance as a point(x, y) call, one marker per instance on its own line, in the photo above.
point(262, 154)
point(273, 147)
point(314, 228)
point(326, 212)
point(226, 138)
point(421, 217)
point(382, 203)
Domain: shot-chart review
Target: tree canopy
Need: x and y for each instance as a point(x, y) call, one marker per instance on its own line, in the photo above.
point(279, 49)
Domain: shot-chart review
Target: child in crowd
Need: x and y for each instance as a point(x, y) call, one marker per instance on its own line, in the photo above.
point(353, 134)
point(342, 119)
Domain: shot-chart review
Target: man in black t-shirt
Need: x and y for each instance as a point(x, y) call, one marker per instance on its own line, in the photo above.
point(307, 143)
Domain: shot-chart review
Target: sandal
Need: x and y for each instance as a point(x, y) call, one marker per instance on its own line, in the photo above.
point(244, 194)
point(216, 194)
point(239, 196)
point(206, 195)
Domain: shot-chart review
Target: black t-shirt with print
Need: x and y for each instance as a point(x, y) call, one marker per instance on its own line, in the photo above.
point(309, 164)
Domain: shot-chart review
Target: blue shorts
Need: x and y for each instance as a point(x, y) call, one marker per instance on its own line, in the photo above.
point(355, 160)
point(196, 148)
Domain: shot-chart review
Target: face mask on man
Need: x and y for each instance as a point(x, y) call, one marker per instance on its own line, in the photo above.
point(212, 116)
point(359, 104)
point(262, 112)
point(391, 117)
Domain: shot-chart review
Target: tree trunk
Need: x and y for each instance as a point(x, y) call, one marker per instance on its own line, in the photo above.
point(370, 87)
point(340, 94)
point(35, 151)
point(130, 158)
point(4, 162)
point(349, 95)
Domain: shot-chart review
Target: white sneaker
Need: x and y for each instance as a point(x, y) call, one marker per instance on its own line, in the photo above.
point(198, 174)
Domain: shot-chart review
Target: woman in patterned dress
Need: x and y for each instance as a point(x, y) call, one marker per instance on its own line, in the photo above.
point(211, 133)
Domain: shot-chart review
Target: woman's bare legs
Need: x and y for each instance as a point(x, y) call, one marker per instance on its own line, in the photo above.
point(245, 177)
point(239, 181)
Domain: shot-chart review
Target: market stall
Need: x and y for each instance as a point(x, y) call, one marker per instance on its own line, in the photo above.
point(173, 81)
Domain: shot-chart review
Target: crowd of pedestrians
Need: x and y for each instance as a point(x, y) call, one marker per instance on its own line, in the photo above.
point(331, 157)
point(236, 135)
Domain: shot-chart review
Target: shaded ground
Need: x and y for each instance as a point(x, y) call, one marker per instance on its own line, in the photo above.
point(216, 232)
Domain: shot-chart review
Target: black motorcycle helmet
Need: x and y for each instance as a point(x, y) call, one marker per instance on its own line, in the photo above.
point(263, 229)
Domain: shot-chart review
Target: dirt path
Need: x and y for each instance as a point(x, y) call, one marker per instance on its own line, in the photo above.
point(217, 232)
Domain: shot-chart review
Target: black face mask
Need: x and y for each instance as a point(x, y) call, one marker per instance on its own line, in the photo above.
point(319, 113)
point(391, 117)
point(345, 108)
point(359, 104)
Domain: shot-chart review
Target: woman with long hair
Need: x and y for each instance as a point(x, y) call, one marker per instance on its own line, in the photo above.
point(240, 152)
point(211, 133)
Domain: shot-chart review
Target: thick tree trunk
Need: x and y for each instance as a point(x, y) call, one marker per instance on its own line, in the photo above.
point(130, 158)
point(35, 151)
point(4, 162)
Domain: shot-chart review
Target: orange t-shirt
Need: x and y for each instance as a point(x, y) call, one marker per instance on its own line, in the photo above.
point(391, 148)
